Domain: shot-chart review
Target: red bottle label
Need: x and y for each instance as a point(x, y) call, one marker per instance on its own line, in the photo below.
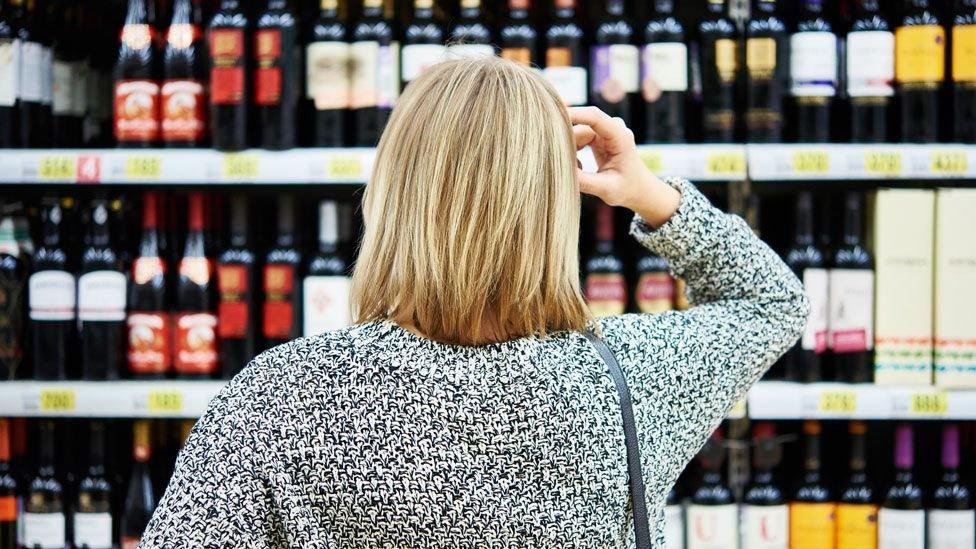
point(183, 114)
point(8, 509)
point(655, 293)
point(227, 66)
point(136, 110)
point(606, 294)
point(196, 343)
point(232, 311)
point(267, 74)
point(149, 344)
point(279, 282)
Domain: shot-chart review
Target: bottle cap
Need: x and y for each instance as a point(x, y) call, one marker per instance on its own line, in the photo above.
point(950, 446)
point(904, 447)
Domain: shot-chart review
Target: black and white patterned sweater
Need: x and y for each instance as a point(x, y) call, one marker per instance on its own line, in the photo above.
point(372, 436)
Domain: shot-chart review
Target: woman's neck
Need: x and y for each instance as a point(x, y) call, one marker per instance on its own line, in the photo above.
point(487, 333)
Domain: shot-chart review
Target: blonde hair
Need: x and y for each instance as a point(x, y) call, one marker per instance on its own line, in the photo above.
point(472, 210)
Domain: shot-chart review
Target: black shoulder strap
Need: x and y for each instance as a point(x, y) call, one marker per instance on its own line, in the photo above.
point(642, 529)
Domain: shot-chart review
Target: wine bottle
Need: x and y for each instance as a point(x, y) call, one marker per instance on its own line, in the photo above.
point(228, 92)
point(68, 57)
point(951, 517)
point(424, 42)
point(963, 72)
point(719, 68)
point(857, 508)
point(9, 491)
point(44, 525)
point(919, 71)
point(328, 77)
point(276, 75)
point(664, 75)
point(901, 520)
point(136, 97)
point(813, 73)
point(92, 520)
point(767, 61)
point(280, 316)
point(806, 259)
point(195, 339)
point(812, 510)
point(519, 39)
point(375, 80)
point(851, 301)
point(36, 60)
point(236, 282)
point(101, 299)
point(604, 286)
point(184, 121)
point(13, 279)
point(9, 73)
point(470, 36)
point(713, 515)
point(870, 72)
point(51, 292)
point(674, 521)
point(150, 341)
point(325, 290)
point(765, 514)
point(565, 55)
point(655, 287)
point(140, 500)
point(614, 61)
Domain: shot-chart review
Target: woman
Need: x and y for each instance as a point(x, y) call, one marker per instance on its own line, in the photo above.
point(465, 408)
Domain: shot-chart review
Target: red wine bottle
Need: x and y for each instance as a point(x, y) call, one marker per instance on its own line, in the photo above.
point(92, 518)
point(604, 286)
point(813, 73)
point(870, 73)
point(713, 516)
point(614, 62)
point(101, 299)
point(470, 35)
point(195, 337)
point(718, 45)
point(140, 501)
point(375, 81)
point(13, 282)
point(236, 283)
point(951, 517)
point(812, 509)
point(136, 97)
point(183, 116)
point(806, 259)
point(901, 520)
point(34, 110)
point(150, 341)
point(325, 289)
point(281, 314)
point(327, 76)
point(51, 292)
point(276, 75)
point(9, 491)
point(765, 514)
point(44, 524)
point(424, 42)
point(518, 37)
point(655, 286)
point(9, 73)
point(857, 508)
point(919, 71)
point(67, 77)
point(767, 62)
point(963, 72)
point(228, 49)
point(664, 75)
point(565, 58)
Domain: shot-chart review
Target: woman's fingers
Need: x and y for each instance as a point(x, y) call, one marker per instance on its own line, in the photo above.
point(600, 184)
point(612, 130)
point(583, 135)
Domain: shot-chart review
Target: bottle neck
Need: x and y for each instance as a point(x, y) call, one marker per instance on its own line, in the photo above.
point(181, 12)
point(711, 477)
point(471, 9)
point(4, 444)
point(230, 5)
point(96, 450)
point(868, 7)
point(950, 447)
point(858, 463)
point(51, 229)
point(615, 7)
point(763, 476)
point(664, 7)
point(766, 7)
point(373, 8)
point(286, 222)
point(852, 220)
point(194, 218)
point(904, 449)
point(238, 222)
point(277, 5)
point(604, 228)
point(8, 240)
point(811, 461)
point(919, 4)
point(804, 219)
point(138, 13)
point(328, 227)
point(140, 441)
point(565, 9)
point(45, 457)
point(716, 7)
point(423, 9)
point(98, 229)
point(813, 7)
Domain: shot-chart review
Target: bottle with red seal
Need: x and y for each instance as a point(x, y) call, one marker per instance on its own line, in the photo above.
point(281, 315)
point(195, 333)
point(236, 282)
point(149, 351)
point(183, 104)
point(136, 95)
point(228, 50)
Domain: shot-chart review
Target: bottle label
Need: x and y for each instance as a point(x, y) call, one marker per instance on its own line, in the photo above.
point(267, 74)
point(137, 37)
point(664, 68)
point(47, 76)
point(375, 74)
point(8, 508)
point(726, 62)
point(901, 529)
point(815, 333)
point(460, 51)
point(765, 526)
point(9, 71)
point(101, 296)
point(963, 53)
point(655, 293)
point(44, 530)
point(79, 88)
point(615, 71)
point(851, 302)
point(182, 35)
point(522, 56)
point(93, 530)
point(183, 116)
point(761, 58)
point(920, 54)
point(196, 269)
point(606, 294)
point(31, 80)
point(326, 304)
point(713, 526)
point(62, 88)
point(327, 70)
point(196, 343)
point(857, 526)
point(279, 282)
point(813, 64)
point(674, 527)
point(149, 343)
point(227, 66)
point(570, 82)
point(147, 268)
point(812, 525)
point(52, 295)
point(136, 110)
point(870, 64)
point(417, 58)
point(232, 311)
point(951, 529)
point(11, 296)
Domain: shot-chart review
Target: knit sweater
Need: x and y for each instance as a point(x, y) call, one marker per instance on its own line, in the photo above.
point(374, 437)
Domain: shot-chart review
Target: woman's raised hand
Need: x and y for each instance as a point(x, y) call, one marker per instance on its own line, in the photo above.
point(621, 178)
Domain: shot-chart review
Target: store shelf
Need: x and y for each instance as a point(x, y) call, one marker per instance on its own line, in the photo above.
point(848, 162)
point(781, 400)
point(107, 398)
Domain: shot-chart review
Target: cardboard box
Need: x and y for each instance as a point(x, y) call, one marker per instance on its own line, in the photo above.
point(955, 288)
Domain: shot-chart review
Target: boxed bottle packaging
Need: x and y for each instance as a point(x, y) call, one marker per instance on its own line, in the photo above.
point(955, 288)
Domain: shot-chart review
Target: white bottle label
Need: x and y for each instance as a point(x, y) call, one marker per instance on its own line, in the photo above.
point(570, 82)
point(624, 60)
point(52, 295)
point(765, 527)
point(664, 68)
point(326, 304)
point(101, 296)
point(47, 76)
point(327, 68)
point(851, 323)
point(62, 88)
point(9, 71)
point(951, 529)
point(813, 64)
point(31, 54)
point(674, 527)
point(44, 530)
point(375, 74)
point(93, 530)
point(417, 58)
point(815, 333)
point(900, 529)
point(460, 51)
point(713, 526)
point(79, 88)
point(870, 64)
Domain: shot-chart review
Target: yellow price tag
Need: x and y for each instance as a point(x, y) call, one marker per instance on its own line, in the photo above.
point(838, 402)
point(240, 166)
point(143, 167)
point(811, 162)
point(929, 404)
point(883, 163)
point(731, 164)
point(57, 400)
point(344, 166)
point(739, 410)
point(949, 162)
point(57, 167)
point(652, 160)
point(165, 401)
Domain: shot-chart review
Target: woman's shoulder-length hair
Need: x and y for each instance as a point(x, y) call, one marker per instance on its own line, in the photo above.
point(472, 211)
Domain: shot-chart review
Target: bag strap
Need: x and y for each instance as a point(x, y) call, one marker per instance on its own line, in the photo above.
point(642, 528)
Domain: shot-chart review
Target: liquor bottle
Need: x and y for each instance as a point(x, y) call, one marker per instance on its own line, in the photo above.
point(92, 520)
point(806, 259)
point(767, 60)
point(195, 338)
point(276, 75)
point(376, 77)
point(919, 71)
point(851, 301)
point(963, 72)
point(614, 61)
point(518, 37)
point(325, 290)
point(565, 55)
point(136, 96)
point(101, 299)
point(719, 68)
point(328, 76)
point(655, 287)
point(9, 72)
point(228, 49)
point(951, 517)
point(13, 279)
point(68, 58)
point(139, 500)
point(674, 521)
point(423, 42)
point(9, 491)
point(870, 72)
point(813, 73)
point(280, 316)
point(33, 111)
point(236, 282)
point(604, 286)
point(901, 520)
point(664, 75)
point(765, 515)
point(51, 292)
point(812, 510)
point(44, 525)
point(713, 516)
point(470, 36)
point(857, 510)
point(149, 342)
point(183, 117)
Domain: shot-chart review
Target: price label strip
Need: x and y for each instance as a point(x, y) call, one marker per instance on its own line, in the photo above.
point(57, 401)
point(164, 401)
point(837, 402)
point(739, 410)
point(652, 160)
point(928, 404)
point(951, 163)
point(57, 167)
point(143, 167)
point(882, 163)
point(240, 167)
point(726, 164)
point(344, 166)
point(811, 162)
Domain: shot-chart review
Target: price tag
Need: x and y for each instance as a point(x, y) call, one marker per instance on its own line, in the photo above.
point(837, 402)
point(143, 167)
point(165, 401)
point(652, 160)
point(344, 167)
point(811, 162)
point(926, 403)
point(949, 163)
point(739, 410)
point(57, 167)
point(732, 164)
point(883, 163)
point(240, 166)
point(57, 400)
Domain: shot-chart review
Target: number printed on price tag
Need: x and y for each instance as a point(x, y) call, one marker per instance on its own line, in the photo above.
point(811, 162)
point(344, 166)
point(57, 167)
point(731, 164)
point(949, 162)
point(240, 166)
point(652, 160)
point(57, 400)
point(165, 401)
point(929, 404)
point(838, 402)
point(883, 163)
point(143, 167)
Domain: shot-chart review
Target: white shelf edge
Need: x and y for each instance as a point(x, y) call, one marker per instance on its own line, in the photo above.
point(108, 399)
point(858, 161)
